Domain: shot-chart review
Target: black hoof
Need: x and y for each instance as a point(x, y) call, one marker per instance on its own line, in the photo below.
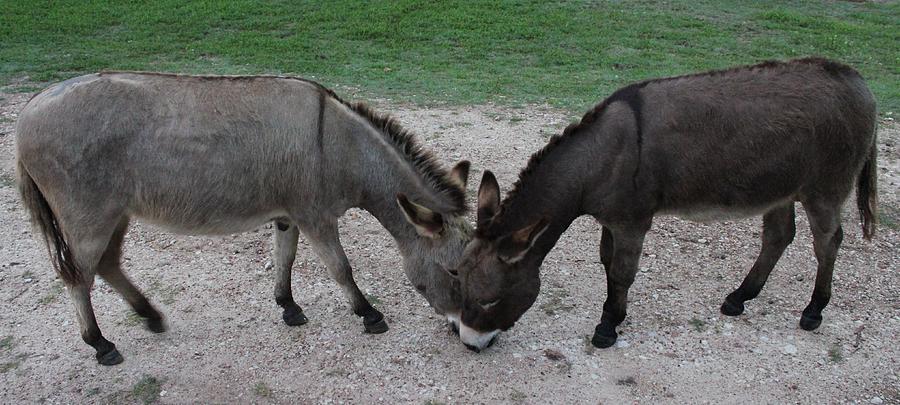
point(454, 328)
point(603, 339)
point(294, 317)
point(155, 325)
point(375, 323)
point(810, 322)
point(731, 309)
point(110, 358)
point(472, 348)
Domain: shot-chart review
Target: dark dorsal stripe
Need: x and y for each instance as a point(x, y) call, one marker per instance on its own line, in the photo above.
point(404, 142)
point(630, 95)
point(321, 122)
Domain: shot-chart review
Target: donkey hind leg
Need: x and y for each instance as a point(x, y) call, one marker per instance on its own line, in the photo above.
point(286, 237)
point(606, 248)
point(110, 269)
point(825, 222)
point(326, 243)
point(619, 277)
point(778, 233)
point(88, 249)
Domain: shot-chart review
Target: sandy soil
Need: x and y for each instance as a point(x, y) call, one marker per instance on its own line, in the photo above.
point(227, 343)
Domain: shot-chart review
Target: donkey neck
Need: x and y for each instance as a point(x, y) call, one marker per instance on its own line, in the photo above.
point(387, 173)
point(551, 187)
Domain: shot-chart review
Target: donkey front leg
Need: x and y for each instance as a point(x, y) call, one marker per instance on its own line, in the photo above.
point(778, 233)
point(286, 237)
point(325, 241)
point(619, 277)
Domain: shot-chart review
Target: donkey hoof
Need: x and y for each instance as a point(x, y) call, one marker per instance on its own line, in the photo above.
point(810, 322)
point(155, 325)
point(377, 327)
point(375, 323)
point(731, 309)
point(110, 358)
point(603, 339)
point(294, 317)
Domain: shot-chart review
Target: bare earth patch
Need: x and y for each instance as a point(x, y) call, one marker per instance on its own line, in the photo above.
point(227, 342)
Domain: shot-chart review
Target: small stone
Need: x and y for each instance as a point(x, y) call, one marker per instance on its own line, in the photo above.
point(622, 343)
point(790, 349)
point(554, 355)
point(269, 265)
point(876, 400)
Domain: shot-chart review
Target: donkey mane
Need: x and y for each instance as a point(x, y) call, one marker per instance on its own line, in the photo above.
point(403, 141)
point(629, 94)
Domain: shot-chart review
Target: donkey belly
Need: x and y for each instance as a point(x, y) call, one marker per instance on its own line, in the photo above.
point(210, 225)
point(716, 213)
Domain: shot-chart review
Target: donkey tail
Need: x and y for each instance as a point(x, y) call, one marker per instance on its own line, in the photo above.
point(867, 193)
point(43, 219)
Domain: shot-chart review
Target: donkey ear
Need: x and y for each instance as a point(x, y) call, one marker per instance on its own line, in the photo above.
point(460, 173)
point(488, 198)
point(513, 247)
point(427, 222)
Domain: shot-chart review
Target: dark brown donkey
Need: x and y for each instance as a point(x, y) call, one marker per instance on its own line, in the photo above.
point(217, 155)
point(724, 144)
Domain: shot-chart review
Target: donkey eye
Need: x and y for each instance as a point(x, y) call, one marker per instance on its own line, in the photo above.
point(489, 305)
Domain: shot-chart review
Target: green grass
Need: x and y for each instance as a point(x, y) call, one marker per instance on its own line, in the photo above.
point(835, 353)
point(567, 54)
point(262, 390)
point(698, 324)
point(146, 390)
point(6, 343)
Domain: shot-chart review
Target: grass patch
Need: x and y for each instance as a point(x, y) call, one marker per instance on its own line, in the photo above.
point(889, 217)
point(56, 288)
point(555, 301)
point(7, 180)
point(165, 293)
point(566, 54)
point(146, 390)
point(836, 353)
point(132, 319)
point(517, 396)
point(262, 390)
point(373, 300)
point(7, 343)
point(698, 324)
point(12, 365)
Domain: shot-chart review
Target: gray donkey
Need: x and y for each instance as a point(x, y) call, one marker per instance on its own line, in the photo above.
point(215, 155)
point(724, 144)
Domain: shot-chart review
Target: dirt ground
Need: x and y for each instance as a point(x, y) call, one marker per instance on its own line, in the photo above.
point(227, 343)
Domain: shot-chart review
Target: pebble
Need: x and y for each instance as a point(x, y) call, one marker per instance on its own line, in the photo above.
point(876, 400)
point(622, 343)
point(790, 349)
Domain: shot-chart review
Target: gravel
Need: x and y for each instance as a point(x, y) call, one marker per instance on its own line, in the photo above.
point(227, 343)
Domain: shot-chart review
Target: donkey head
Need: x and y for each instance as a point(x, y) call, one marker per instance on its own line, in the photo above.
point(498, 282)
point(438, 248)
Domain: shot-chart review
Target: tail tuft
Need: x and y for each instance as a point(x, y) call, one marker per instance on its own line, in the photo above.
point(867, 193)
point(43, 219)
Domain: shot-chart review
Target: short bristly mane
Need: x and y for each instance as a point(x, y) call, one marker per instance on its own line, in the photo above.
point(630, 91)
point(425, 163)
point(404, 142)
